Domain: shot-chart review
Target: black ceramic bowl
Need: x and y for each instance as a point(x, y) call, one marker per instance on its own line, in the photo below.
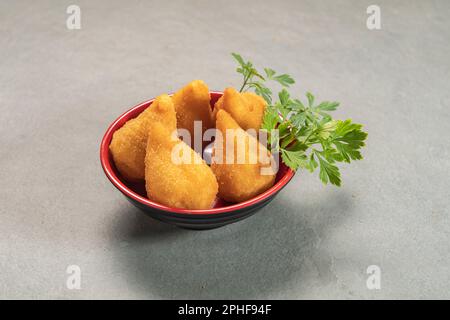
point(220, 214)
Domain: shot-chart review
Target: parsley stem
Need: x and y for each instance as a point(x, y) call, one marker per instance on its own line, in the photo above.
point(246, 78)
point(287, 141)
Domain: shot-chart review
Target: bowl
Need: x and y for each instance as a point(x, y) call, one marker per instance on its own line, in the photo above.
point(220, 214)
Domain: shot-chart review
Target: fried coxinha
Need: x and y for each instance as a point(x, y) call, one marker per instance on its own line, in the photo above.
point(187, 184)
point(129, 143)
point(240, 179)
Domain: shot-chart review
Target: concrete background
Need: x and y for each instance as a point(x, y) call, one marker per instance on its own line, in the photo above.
point(60, 89)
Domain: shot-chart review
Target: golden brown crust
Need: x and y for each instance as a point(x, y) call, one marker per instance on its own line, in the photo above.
point(129, 142)
point(192, 103)
point(181, 185)
point(217, 106)
point(246, 108)
point(239, 181)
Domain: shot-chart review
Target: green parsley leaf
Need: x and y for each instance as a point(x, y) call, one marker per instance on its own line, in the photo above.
point(284, 79)
point(294, 159)
point(239, 59)
point(329, 172)
point(327, 106)
point(269, 73)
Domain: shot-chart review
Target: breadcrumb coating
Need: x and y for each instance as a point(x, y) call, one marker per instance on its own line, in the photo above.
point(192, 103)
point(189, 185)
point(246, 108)
point(129, 142)
point(240, 181)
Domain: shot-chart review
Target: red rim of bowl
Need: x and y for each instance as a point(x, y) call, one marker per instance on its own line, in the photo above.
point(107, 168)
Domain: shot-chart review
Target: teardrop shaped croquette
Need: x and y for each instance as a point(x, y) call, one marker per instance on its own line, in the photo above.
point(241, 173)
point(170, 181)
point(192, 104)
point(129, 142)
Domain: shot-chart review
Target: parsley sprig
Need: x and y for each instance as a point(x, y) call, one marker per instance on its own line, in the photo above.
point(252, 79)
point(308, 137)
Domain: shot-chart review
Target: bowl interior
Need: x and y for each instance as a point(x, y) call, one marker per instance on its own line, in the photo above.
point(136, 190)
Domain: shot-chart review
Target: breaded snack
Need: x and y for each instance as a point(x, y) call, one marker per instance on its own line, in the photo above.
point(217, 106)
point(129, 142)
point(240, 168)
point(246, 108)
point(188, 184)
point(192, 104)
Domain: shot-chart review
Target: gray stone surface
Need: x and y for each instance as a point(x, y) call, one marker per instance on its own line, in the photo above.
point(60, 89)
